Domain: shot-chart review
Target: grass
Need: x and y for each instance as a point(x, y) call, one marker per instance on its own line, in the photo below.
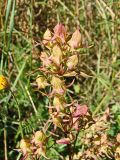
point(21, 26)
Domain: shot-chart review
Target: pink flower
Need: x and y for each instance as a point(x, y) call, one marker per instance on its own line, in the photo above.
point(81, 110)
point(59, 32)
point(63, 141)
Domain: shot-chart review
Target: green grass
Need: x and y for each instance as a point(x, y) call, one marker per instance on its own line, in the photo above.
point(99, 73)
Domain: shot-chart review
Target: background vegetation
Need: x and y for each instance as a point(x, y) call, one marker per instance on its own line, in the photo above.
point(22, 24)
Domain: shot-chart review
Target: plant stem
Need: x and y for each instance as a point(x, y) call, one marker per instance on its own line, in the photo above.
point(19, 114)
point(69, 151)
point(5, 144)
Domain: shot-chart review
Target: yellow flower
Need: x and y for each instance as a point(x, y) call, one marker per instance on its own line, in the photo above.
point(4, 84)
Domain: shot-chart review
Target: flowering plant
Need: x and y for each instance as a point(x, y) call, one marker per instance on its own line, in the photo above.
point(70, 123)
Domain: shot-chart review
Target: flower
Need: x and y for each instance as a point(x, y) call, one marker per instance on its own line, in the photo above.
point(56, 55)
point(58, 85)
point(41, 82)
point(25, 146)
point(59, 33)
point(39, 137)
point(59, 103)
point(75, 40)
point(4, 84)
point(72, 62)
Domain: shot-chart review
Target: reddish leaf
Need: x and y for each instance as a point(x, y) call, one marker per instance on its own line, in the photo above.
point(63, 141)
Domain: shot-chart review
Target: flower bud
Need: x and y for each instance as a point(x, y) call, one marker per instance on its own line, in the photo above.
point(59, 103)
point(75, 40)
point(41, 82)
point(25, 146)
point(56, 55)
point(72, 62)
point(4, 84)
